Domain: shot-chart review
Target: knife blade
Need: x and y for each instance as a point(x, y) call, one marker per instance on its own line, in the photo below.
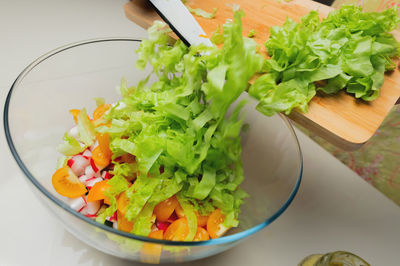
point(181, 21)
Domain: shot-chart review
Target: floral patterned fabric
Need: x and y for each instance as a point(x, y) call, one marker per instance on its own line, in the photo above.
point(377, 161)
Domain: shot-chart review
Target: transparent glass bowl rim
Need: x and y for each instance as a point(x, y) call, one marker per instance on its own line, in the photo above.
point(218, 241)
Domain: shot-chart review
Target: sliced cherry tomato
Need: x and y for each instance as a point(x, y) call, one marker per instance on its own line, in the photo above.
point(179, 211)
point(201, 234)
point(164, 209)
point(107, 201)
point(104, 144)
point(215, 224)
point(100, 110)
point(100, 158)
point(123, 223)
point(67, 184)
point(201, 220)
point(159, 234)
point(177, 231)
point(97, 191)
point(150, 252)
point(75, 113)
point(122, 203)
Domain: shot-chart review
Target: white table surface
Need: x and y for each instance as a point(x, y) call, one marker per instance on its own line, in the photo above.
point(334, 209)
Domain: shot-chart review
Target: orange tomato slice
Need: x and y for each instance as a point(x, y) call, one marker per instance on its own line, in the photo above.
point(150, 252)
point(97, 191)
point(104, 144)
point(99, 158)
point(123, 223)
point(122, 203)
point(75, 113)
point(100, 110)
point(158, 234)
point(201, 220)
point(201, 234)
point(67, 184)
point(215, 224)
point(164, 209)
point(177, 231)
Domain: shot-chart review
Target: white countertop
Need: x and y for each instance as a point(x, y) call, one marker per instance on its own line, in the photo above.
point(334, 210)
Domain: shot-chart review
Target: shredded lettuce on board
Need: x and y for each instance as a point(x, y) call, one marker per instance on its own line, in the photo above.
point(348, 50)
point(178, 129)
point(201, 13)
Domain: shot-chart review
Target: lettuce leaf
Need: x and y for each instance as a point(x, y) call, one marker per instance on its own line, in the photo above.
point(348, 50)
point(190, 216)
point(86, 129)
point(178, 129)
point(70, 146)
point(201, 13)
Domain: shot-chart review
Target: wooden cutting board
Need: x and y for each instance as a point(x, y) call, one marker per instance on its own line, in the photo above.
point(341, 119)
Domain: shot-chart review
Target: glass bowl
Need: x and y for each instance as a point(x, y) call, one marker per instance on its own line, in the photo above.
point(36, 117)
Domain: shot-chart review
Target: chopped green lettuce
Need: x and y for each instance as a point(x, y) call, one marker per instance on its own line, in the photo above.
point(348, 50)
point(252, 33)
point(70, 146)
point(201, 13)
point(86, 129)
point(178, 129)
point(190, 216)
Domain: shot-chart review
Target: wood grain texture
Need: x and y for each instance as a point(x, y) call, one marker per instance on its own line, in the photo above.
point(341, 119)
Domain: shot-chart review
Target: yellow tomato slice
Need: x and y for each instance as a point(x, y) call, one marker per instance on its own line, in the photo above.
point(100, 158)
point(100, 110)
point(123, 223)
point(122, 203)
point(177, 231)
point(215, 224)
point(150, 252)
point(97, 191)
point(67, 184)
point(201, 220)
point(104, 144)
point(75, 113)
point(201, 234)
point(164, 209)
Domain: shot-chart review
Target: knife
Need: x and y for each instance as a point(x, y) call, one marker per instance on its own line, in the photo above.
point(181, 21)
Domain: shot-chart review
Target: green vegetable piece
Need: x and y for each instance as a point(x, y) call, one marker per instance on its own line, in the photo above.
point(86, 130)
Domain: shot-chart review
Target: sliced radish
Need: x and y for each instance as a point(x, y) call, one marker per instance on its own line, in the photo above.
point(162, 225)
point(77, 204)
point(90, 183)
point(74, 132)
point(94, 166)
point(106, 175)
point(115, 225)
point(93, 207)
point(90, 172)
point(87, 153)
point(113, 217)
point(79, 164)
point(83, 211)
point(83, 178)
point(70, 162)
